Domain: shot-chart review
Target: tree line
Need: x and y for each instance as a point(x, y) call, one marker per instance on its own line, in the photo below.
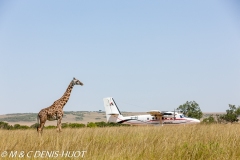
point(231, 116)
point(192, 109)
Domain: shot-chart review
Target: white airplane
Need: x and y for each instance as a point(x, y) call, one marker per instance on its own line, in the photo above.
point(154, 117)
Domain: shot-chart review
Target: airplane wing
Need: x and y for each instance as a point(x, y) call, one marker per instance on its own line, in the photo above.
point(155, 113)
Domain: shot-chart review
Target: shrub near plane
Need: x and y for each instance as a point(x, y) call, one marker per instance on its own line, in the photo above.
point(153, 117)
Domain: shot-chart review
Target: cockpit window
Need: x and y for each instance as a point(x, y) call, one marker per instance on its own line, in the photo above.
point(182, 116)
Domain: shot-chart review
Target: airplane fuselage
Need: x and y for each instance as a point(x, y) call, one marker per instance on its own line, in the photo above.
point(153, 120)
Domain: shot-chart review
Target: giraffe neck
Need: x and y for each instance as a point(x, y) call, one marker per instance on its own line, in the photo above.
point(64, 99)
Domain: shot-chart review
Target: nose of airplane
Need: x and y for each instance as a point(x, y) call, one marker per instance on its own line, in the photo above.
point(196, 121)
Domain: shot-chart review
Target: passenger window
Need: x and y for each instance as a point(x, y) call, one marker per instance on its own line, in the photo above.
point(152, 117)
point(147, 118)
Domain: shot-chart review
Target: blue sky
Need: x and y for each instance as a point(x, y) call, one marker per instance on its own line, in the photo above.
point(146, 54)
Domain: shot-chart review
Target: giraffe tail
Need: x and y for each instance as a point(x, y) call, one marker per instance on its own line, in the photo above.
point(38, 123)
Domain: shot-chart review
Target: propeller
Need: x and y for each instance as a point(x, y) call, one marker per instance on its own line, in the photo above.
point(174, 115)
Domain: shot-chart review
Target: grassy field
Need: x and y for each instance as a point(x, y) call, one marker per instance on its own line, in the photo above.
point(146, 142)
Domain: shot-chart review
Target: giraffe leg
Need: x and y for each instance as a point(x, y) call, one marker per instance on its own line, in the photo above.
point(41, 125)
point(59, 124)
point(40, 128)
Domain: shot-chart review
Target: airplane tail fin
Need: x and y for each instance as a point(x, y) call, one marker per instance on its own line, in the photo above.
point(112, 112)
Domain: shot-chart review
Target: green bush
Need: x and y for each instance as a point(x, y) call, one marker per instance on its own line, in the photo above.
point(101, 124)
point(91, 125)
point(209, 120)
point(111, 124)
point(64, 125)
point(76, 125)
point(35, 125)
point(50, 127)
point(4, 125)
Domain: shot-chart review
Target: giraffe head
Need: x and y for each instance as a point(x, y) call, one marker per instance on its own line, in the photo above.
point(76, 82)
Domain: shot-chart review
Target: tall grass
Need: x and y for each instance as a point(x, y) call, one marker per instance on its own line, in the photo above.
point(146, 142)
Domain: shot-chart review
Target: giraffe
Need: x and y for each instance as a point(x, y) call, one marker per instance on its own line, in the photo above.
point(55, 111)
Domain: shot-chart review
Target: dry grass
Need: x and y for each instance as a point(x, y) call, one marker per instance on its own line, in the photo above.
point(147, 142)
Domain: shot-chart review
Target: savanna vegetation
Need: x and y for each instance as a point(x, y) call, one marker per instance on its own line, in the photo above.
point(231, 116)
point(216, 137)
point(191, 109)
point(215, 141)
point(5, 125)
